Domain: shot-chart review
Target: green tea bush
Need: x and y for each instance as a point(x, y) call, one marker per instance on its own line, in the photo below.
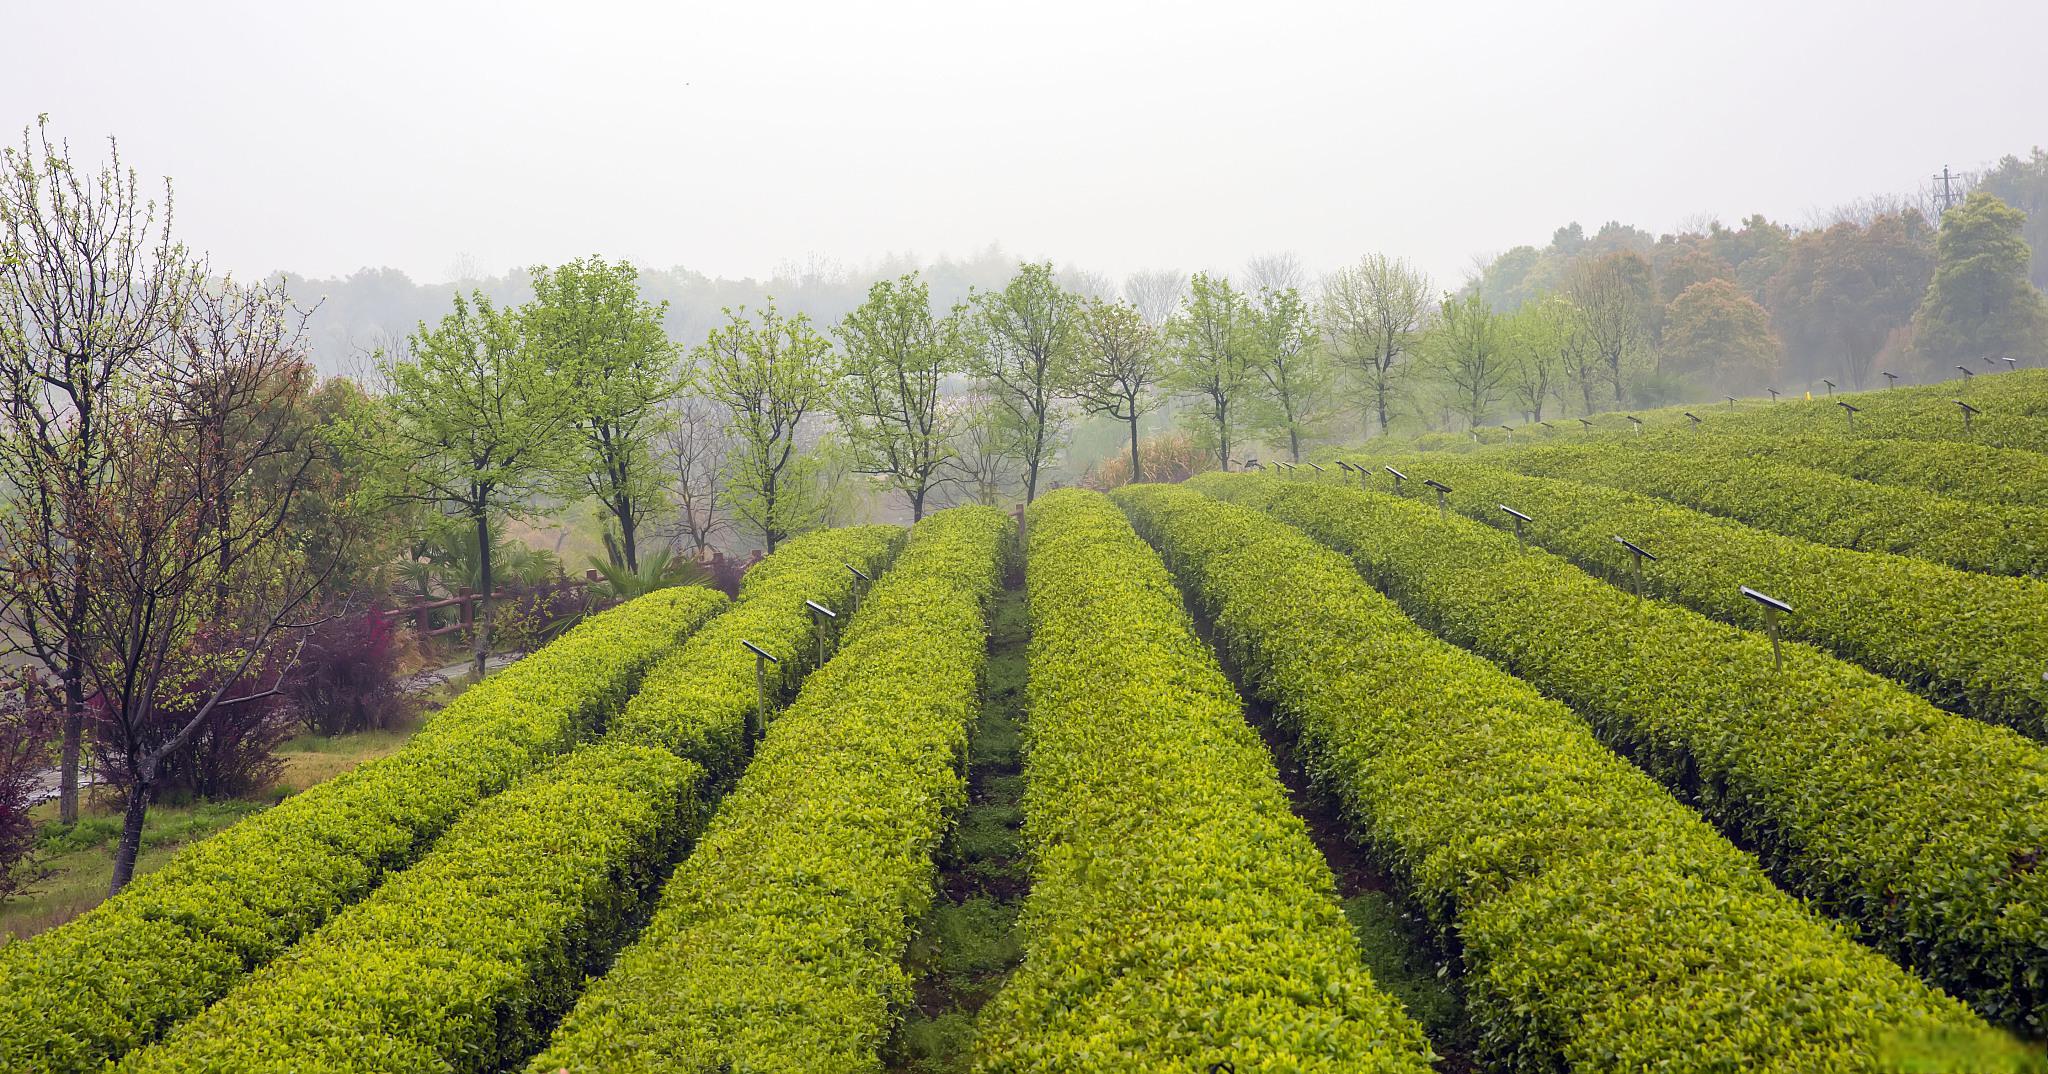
point(1179, 915)
point(696, 703)
point(1971, 643)
point(1603, 925)
point(459, 963)
point(1918, 825)
point(179, 938)
point(777, 944)
point(1814, 505)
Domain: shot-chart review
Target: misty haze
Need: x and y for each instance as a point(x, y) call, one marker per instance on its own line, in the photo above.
point(917, 538)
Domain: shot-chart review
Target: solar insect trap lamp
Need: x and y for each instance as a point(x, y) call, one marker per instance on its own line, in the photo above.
point(1849, 412)
point(821, 620)
point(1637, 424)
point(1511, 433)
point(1639, 553)
point(761, 661)
point(2011, 364)
point(1441, 488)
point(1317, 469)
point(1731, 401)
point(1891, 380)
point(860, 582)
point(1689, 416)
point(1772, 607)
point(1587, 426)
point(1830, 384)
point(1548, 428)
point(1966, 371)
point(1968, 413)
point(1398, 478)
point(1520, 518)
point(1774, 394)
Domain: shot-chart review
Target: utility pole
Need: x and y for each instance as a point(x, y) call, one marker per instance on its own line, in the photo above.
point(1948, 192)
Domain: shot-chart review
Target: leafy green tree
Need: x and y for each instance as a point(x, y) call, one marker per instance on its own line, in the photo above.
point(1845, 289)
point(1291, 365)
point(769, 376)
point(1026, 342)
point(474, 424)
point(588, 324)
point(1120, 365)
point(1468, 352)
point(1372, 313)
point(1612, 296)
point(1716, 336)
point(896, 357)
point(1214, 343)
point(2023, 184)
point(1542, 342)
point(1980, 302)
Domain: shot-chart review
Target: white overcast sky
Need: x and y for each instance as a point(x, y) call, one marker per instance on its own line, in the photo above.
point(733, 137)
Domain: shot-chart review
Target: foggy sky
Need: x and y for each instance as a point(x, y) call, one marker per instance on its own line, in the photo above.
point(733, 138)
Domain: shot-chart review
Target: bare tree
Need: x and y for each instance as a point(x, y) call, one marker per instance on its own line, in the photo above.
point(90, 281)
point(1275, 272)
point(1157, 294)
point(189, 568)
point(1611, 294)
point(1372, 314)
point(694, 453)
point(987, 461)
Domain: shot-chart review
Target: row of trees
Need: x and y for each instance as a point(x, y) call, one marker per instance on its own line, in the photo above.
point(1719, 310)
point(157, 435)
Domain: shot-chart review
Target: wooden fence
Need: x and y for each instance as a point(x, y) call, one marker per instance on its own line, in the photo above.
point(420, 612)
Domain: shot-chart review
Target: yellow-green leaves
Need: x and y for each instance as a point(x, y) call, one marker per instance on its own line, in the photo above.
point(1179, 915)
point(1603, 925)
point(178, 938)
point(1914, 823)
point(458, 963)
point(777, 943)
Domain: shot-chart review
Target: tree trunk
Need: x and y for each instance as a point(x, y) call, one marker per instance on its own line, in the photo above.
point(1293, 443)
point(1223, 435)
point(917, 505)
point(1137, 474)
point(627, 536)
point(483, 619)
point(1380, 391)
point(74, 736)
point(131, 835)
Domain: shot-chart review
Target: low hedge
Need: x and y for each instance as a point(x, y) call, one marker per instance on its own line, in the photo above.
point(1179, 914)
point(179, 938)
point(1603, 925)
point(1971, 643)
point(2000, 477)
point(777, 944)
point(696, 703)
point(1919, 825)
point(459, 963)
point(1814, 505)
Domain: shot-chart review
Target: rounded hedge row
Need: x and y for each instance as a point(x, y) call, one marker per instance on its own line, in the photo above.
point(697, 702)
point(1971, 643)
point(1603, 925)
point(1814, 505)
point(460, 962)
point(777, 944)
point(1918, 825)
point(1179, 914)
point(1971, 472)
point(179, 938)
